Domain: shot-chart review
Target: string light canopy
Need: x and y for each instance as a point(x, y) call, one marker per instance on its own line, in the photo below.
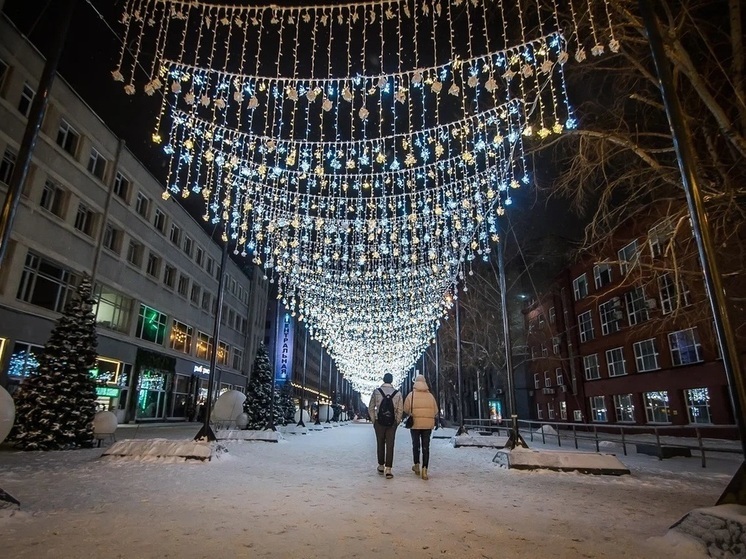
point(362, 152)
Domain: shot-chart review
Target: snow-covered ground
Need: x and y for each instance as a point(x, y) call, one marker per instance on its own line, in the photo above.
point(319, 496)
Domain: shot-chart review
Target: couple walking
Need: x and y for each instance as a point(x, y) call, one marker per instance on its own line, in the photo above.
point(386, 409)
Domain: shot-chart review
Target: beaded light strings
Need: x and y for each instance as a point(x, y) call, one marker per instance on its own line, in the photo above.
point(361, 152)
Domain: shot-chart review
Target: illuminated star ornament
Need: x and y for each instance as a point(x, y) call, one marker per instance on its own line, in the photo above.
point(360, 153)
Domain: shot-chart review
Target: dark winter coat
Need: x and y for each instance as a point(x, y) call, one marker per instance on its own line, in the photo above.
point(421, 405)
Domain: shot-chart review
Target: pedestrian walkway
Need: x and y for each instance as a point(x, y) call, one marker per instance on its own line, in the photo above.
point(319, 496)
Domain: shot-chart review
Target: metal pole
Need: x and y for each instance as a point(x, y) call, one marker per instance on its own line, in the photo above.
point(438, 419)
point(206, 431)
point(705, 246)
point(301, 407)
point(318, 394)
point(105, 218)
point(461, 428)
point(329, 384)
point(35, 118)
point(271, 419)
point(514, 438)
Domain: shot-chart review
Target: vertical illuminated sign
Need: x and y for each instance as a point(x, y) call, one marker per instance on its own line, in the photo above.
point(284, 347)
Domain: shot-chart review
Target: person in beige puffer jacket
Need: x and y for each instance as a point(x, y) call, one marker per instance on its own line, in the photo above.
point(421, 405)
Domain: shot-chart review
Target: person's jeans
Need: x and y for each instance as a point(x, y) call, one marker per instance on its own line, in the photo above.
point(421, 437)
point(385, 443)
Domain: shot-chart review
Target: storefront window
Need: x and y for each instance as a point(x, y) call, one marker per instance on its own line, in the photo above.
point(151, 394)
point(24, 359)
point(180, 397)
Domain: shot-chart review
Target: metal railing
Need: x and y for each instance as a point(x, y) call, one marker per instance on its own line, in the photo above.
point(693, 437)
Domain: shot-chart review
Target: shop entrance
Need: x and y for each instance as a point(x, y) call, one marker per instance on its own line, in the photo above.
point(151, 394)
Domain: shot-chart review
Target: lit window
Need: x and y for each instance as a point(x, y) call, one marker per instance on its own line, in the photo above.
point(204, 346)
point(112, 309)
point(685, 346)
point(598, 409)
point(151, 325)
point(698, 405)
point(563, 410)
point(181, 337)
point(656, 407)
point(223, 353)
point(24, 360)
point(624, 407)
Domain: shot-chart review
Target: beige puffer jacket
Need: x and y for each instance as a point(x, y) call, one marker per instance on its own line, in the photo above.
point(421, 405)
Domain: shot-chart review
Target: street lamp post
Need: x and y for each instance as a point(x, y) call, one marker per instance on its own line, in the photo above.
point(301, 406)
point(461, 427)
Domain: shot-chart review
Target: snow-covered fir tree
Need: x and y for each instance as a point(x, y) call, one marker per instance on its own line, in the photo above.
point(287, 403)
point(259, 393)
point(56, 403)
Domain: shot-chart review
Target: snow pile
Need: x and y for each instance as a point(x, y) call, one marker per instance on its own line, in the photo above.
point(161, 449)
point(716, 531)
point(488, 441)
point(547, 430)
point(583, 462)
point(249, 435)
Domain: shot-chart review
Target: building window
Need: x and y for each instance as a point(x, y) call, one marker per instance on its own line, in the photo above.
point(199, 257)
point(628, 257)
point(181, 337)
point(224, 351)
point(544, 350)
point(550, 410)
point(237, 359)
point(210, 265)
point(685, 346)
point(122, 186)
point(559, 373)
point(637, 308)
point(660, 236)
point(646, 356)
point(7, 165)
point(112, 238)
point(134, 253)
point(159, 220)
point(539, 411)
point(547, 380)
point(537, 381)
point(142, 205)
point(169, 276)
point(68, 138)
point(552, 315)
point(45, 284)
point(580, 287)
point(585, 324)
point(154, 265)
point(598, 409)
point(3, 72)
point(206, 301)
point(563, 410)
point(97, 164)
point(195, 294)
point(611, 315)
point(188, 245)
point(151, 325)
point(656, 407)
point(24, 360)
point(27, 97)
point(204, 346)
point(602, 275)
point(52, 198)
point(556, 345)
point(615, 362)
point(183, 287)
point(672, 298)
point(698, 405)
point(624, 407)
point(175, 234)
point(84, 219)
point(590, 365)
point(112, 309)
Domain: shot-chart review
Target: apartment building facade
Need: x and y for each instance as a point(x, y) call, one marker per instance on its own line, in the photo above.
point(157, 271)
point(633, 334)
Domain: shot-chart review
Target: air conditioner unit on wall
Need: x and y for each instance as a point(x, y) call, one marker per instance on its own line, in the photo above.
point(563, 387)
point(548, 390)
point(651, 303)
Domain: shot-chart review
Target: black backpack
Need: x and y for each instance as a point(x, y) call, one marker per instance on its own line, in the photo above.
point(386, 411)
